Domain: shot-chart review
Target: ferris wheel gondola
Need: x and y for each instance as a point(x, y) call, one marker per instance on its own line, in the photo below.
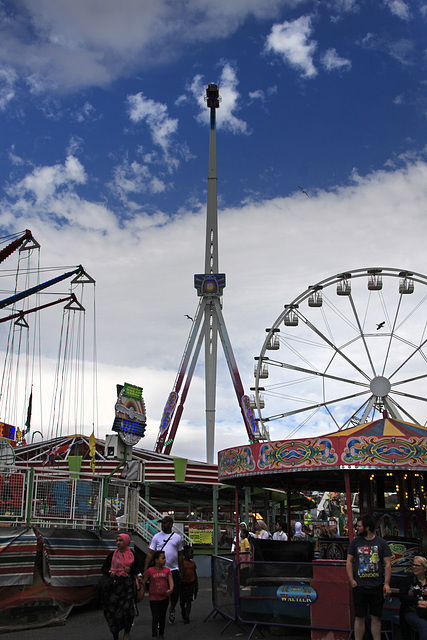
point(349, 347)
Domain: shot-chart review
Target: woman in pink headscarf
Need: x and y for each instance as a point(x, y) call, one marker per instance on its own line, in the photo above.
point(119, 600)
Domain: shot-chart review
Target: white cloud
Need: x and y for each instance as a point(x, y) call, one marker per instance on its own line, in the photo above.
point(339, 8)
point(402, 50)
point(8, 80)
point(230, 98)
point(15, 160)
point(261, 95)
point(257, 95)
point(87, 112)
point(44, 182)
point(291, 40)
point(67, 46)
point(144, 271)
point(161, 126)
point(399, 8)
point(132, 178)
point(332, 61)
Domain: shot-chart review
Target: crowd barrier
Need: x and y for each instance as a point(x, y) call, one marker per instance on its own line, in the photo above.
point(315, 596)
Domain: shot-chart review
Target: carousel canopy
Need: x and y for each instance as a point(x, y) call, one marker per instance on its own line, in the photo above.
point(318, 463)
point(383, 427)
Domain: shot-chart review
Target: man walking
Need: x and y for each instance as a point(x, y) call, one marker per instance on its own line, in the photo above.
point(369, 572)
point(171, 543)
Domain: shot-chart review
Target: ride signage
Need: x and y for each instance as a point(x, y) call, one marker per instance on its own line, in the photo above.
point(130, 420)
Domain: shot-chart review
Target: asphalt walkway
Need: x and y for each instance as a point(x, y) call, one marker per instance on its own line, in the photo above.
point(88, 623)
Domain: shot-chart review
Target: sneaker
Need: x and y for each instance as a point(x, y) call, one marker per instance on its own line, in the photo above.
point(172, 616)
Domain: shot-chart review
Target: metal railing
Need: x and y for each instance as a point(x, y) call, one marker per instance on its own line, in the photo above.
point(148, 523)
point(52, 498)
point(312, 596)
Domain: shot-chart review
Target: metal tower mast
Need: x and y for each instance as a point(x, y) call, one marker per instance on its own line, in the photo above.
point(207, 324)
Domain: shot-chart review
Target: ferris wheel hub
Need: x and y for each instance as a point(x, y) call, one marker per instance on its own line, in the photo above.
point(380, 386)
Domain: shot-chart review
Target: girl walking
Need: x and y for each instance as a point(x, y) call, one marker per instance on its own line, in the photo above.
point(161, 586)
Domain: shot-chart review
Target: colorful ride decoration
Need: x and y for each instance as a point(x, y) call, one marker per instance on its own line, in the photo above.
point(130, 421)
point(383, 443)
point(383, 461)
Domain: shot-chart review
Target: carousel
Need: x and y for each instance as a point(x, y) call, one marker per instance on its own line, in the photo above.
point(383, 463)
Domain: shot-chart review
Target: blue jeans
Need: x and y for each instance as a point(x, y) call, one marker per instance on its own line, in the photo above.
point(417, 623)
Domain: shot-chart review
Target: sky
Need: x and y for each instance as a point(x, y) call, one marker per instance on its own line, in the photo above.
point(321, 163)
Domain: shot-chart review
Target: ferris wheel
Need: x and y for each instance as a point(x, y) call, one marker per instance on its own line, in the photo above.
point(342, 352)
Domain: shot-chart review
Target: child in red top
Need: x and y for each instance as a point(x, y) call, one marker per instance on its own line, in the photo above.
point(161, 586)
point(188, 584)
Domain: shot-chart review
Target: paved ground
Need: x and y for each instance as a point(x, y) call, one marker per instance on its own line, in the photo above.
point(88, 623)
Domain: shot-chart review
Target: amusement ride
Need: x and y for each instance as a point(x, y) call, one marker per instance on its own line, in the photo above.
point(343, 351)
point(207, 326)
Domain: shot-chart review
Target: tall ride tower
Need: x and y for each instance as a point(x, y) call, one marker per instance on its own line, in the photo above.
point(208, 323)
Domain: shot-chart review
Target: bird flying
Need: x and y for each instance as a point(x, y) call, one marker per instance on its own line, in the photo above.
point(189, 317)
point(303, 190)
point(380, 325)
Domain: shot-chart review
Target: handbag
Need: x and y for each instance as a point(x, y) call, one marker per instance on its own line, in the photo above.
point(104, 585)
point(139, 591)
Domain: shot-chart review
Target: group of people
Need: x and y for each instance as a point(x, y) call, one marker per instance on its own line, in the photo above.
point(369, 573)
point(170, 572)
point(260, 531)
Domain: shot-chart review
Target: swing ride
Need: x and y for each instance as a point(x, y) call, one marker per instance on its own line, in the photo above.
point(26, 293)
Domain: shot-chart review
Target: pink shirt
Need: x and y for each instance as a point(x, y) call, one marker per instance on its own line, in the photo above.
point(158, 582)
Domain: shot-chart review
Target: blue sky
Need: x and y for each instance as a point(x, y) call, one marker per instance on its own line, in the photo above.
point(105, 148)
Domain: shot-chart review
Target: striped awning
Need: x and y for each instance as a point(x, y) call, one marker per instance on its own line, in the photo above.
point(18, 548)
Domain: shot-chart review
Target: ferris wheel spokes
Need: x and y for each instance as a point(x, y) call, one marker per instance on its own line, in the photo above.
point(376, 340)
point(361, 333)
point(315, 373)
point(286, 414)
point(331, 344)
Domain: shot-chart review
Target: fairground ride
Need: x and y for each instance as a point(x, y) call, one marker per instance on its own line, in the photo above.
point(207, 325)
point(342, 352)
point(29, 379)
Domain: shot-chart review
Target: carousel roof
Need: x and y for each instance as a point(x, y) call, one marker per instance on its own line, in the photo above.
point(318, 462)
point(383, 427)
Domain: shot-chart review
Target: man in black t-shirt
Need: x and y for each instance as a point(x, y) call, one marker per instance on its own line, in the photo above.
point(369, 573)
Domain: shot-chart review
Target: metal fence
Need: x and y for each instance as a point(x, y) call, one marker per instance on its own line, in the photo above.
point(59, 499)
point(148, 522)
point(224, 587)
point(312, 595)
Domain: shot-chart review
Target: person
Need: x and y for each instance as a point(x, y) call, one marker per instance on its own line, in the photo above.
point(261, 530)
point(244, 546)
point(189, 585)
point(171, 543)
point(119, 597)
point(280, 533)
point(299, 534)
point(413, 598)
point(308, 533)
point(161, 586)
point(242, 525)
point(369, 572)
point(332, 532)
